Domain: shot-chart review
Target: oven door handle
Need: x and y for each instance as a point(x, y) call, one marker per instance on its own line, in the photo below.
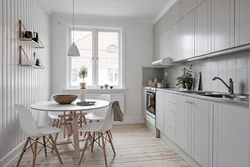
point(149, 93)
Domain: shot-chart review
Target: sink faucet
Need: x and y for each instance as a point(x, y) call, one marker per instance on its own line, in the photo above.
point(231, 84)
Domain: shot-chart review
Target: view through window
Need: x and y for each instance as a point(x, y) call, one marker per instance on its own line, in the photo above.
point(99, 52)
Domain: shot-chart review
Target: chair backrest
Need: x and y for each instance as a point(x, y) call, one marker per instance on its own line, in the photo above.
point(27, 122)
point(101, 112)
point(108, 121)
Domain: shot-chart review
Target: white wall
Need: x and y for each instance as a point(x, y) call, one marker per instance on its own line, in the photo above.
point(138, 53)
point(20, 85)
point(235, 66)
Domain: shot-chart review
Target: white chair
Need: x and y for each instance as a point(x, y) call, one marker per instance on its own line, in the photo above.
point(34, 133)
point(98, 114)
point(101, 129)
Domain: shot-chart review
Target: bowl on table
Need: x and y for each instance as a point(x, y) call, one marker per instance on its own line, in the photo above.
point(64, 98)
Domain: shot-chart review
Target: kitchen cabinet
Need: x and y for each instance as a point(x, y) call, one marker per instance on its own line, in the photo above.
point(176, 41)
point(223, 24)
point(162, 24)
point(183, 124)
point(160, 114)
point(187, 37)
point(170, 108)
point(202, 29)
point(202, 112)
point(157, 48)
point(175, 13)
point(186, 7)
point(165, 44)
point(144, 101)
point(242, 22)
point(231, 136)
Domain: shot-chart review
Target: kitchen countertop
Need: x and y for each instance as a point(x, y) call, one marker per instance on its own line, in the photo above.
point(240, 103)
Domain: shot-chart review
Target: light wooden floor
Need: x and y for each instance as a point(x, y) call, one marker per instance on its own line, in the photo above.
point(134, 145)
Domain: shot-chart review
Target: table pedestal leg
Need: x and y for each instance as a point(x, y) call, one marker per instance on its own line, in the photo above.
point(76, 135)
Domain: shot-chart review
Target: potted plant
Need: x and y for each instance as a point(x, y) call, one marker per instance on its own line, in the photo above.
point(83, 74)
point(186, 79)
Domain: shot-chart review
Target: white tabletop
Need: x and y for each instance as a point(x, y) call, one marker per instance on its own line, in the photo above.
point(54, 106)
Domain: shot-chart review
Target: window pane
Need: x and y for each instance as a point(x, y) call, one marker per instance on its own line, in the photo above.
point(108, 58)
point(83, 40)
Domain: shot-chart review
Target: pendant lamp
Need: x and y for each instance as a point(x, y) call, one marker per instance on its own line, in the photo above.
point(73, 50)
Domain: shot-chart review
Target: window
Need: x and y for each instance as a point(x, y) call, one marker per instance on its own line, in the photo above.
point(100, 51)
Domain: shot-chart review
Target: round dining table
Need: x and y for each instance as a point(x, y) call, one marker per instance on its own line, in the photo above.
point(53, 106)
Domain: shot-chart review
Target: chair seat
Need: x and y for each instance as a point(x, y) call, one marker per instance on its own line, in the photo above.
point(94, 117)
point(93, 127)
point(55, 115)
point(47, 130)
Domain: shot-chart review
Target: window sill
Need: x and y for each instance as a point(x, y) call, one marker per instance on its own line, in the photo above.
point(95, 90)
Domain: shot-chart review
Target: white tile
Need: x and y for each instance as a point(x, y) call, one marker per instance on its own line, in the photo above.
point(241, 87)
point(215, 65)
point(248, 74)
point(214, 84)
point(241, 74)
point(231, 73)
point(207, 66)
point(222, 64)
point(222, 87)
point(231, 63)
point(242, 61)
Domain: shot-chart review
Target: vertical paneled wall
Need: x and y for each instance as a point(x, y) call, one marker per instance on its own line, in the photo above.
point(21, 85)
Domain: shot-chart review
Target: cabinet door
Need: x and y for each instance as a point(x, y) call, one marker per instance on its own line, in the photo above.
point(202, 29)
point(223, 24)
point(231, 136)
point(175, 11)
point(160, 115)
point(183, 124)
point(157, 49)
point(186, 7)
point(176, 42)
point(242, 22)
point(165, 44)
point(187, 37)
point(201, 131)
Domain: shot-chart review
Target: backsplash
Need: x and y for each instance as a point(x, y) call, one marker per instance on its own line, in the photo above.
point(235, 66)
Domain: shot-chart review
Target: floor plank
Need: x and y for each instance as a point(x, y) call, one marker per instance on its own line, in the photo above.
point(135, 147)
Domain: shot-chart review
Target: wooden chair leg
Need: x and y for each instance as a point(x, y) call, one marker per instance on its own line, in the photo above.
point(93, 142)
point(111, 142)
point(64, 125)
point(110, 134)
point(54, 146)
point(104, 150)
point(34, 154)
point(53, 123)
point(24, 148)
point(44, 146)
point(85, 146)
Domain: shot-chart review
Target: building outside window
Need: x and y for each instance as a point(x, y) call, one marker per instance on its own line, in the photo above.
point(100, 51)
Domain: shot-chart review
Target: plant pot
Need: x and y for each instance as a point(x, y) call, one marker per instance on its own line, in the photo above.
point(188, 85)
point(183, 85)
point(83, 85)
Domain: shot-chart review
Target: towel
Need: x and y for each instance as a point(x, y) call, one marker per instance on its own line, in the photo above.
point(118, 115)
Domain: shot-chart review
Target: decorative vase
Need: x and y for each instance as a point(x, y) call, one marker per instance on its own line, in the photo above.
point(83, 85)
point(183, 85)
point(83, 95)
point(188, 85)
point(156, 81)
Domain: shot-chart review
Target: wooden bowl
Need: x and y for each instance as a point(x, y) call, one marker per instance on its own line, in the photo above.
point(65, 99)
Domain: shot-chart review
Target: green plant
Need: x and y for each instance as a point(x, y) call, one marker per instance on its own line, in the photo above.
point(83, 72)
point(186, 77)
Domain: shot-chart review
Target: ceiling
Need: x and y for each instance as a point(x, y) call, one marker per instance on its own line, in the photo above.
point(137, 9)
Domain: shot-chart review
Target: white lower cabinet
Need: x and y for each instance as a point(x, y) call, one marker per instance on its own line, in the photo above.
point(231, 136)
point(212, 134)
point(160, 114)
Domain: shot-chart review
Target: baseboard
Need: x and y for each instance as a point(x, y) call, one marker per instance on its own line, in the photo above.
point(131, 120)
point(179, 151)
point(11, 158)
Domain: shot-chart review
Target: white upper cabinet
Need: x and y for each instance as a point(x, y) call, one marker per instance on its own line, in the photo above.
point(222, 24)
point(242, 22)
point(175, 13)
point(202, 29)
point(186, 7)
point(202, 112)
point(160, 113)
point(176, 42)
point(157, 48)
point(183, 123)
point(231, 136)
point(187, 37)
point(165, 44)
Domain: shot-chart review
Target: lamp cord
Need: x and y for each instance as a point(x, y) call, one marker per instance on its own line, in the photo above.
point(73, 21)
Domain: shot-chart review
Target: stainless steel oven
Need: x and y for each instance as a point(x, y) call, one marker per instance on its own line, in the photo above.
point(150, 103)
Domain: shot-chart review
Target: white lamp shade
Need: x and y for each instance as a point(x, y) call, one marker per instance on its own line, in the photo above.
point(73, 50)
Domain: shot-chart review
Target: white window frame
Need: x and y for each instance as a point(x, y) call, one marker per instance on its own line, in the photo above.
point(95, 66)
